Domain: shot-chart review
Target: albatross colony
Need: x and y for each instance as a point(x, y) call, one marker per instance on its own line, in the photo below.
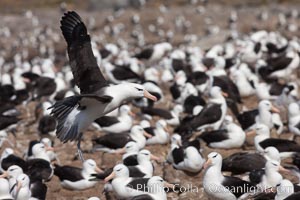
point(217, 123)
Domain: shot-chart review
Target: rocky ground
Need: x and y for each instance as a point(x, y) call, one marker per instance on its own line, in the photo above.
point(27, 129)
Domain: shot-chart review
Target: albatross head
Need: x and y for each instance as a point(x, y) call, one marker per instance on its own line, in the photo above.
point(145, 155)
point(90, 166)
point(213, 158)
point(12, 172)
point(119, 170)
point(22, 181)
point(137, 91)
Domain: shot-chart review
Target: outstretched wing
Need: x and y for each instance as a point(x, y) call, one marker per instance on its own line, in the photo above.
point(66, 111)
point(86, 72)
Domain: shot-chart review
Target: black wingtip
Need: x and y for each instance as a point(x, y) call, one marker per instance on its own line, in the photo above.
point(72, 27)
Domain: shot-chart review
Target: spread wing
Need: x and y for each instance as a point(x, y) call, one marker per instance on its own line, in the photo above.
point(86, 72)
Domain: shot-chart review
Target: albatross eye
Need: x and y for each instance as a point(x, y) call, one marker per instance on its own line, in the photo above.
point(215, 156)
point(139, 89)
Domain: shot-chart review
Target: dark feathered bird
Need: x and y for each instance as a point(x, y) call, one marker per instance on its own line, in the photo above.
point(68, 173)
point(6, 121)
point(242, 162)
point(47, 124)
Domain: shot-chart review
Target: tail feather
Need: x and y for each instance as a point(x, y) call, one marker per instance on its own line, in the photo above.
point(65, 112)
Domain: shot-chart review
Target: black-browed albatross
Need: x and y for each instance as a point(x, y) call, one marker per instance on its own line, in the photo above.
point(97, 98)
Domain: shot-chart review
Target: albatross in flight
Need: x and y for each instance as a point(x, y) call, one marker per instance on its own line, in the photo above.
point(97, 98)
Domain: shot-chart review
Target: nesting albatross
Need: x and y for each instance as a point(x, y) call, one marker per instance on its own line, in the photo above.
point(97, 98)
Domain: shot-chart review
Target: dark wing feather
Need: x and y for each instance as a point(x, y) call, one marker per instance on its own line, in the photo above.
point(191, 101)
point(130, 160)
point(139, 184)
point(265, 196)
point(214, 136)
point(101, 176)
point(145, 54)
point(228, 86)
point(47, 124)
point(233, 183)
point(150, 130)
point(276, 88)
point(298, 125)
point(281, 144)
point(157, 112)
point(178, 64)
point(12, 160)
point(294, 196)
point(210, 114)
point(38, 169)
point(296, 160)
point(106, 121)
point(31, 144)
point(178, 155)
point(6, 121)
point(62, 109)
point(135, 172)
point(256, 175)
point(243, 162)
point(103, 99)
point(296, 188)
point(113, 141)
point(68, 173)
point(83, 63)
point(194, 143)
point(104, 53)
point(123, 73)
point(45, 86)
point(175, 92)
point(208, 62)
point(198, 78)
point(279, 63)
point(247, 118)
point(38, 190)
